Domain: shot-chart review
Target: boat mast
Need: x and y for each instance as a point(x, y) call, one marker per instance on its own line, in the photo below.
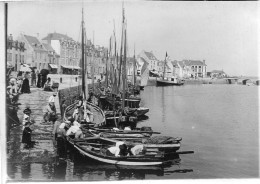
point(121, 49)
point(124, 72)
point(164, 66)
point(107, 70)
point(83, 57)
point(123, 60)
point(134, 68)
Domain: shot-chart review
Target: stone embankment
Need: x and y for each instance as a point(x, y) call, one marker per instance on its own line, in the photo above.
point(42, 132)
point(44, 150)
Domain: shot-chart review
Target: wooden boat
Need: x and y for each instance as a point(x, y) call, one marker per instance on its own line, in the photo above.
point(95, 148)
point(143, 132)
point(172, 82)
point(168, 81)
point(98, 114)
point(161, 143)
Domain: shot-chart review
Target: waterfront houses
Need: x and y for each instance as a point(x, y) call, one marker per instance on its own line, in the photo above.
point(217, 74)
point(189, 68)
point(53, 59)
point(36, 55)
point(150, 58)
point(68, 50)
point(15, 53)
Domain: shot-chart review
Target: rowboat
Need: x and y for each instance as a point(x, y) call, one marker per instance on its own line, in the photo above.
point(95, 148)
point(143, 132)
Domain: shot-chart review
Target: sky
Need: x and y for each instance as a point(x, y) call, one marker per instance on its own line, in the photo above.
point(224, 34)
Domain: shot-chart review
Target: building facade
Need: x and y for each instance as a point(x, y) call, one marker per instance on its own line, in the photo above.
point(217, 74)
point(53, 59)
point(15, 53)
point(36, 55)
point(150, 58)
point(69, 52)
point(190, 68)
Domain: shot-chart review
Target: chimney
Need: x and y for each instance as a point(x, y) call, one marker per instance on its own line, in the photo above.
point(204, 62)
point(38, 36)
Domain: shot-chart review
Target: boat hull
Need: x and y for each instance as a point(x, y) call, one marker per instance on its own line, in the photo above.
point(138, 160)
point(168, 83)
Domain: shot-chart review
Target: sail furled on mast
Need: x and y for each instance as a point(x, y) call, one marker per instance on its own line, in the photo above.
point(164, 65)
point(83, 56)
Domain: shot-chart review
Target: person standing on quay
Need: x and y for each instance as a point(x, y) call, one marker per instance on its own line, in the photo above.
point(33, 82)
point(25, 85)
point(39, 81)
point(26, 138)
point(56, 127)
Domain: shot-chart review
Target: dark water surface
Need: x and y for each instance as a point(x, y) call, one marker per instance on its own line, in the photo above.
point(218, 122)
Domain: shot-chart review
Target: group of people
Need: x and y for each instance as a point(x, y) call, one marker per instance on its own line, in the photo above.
point(121, 149)
point(61, 130)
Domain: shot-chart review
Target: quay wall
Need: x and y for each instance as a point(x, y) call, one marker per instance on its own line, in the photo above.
point(69, 95)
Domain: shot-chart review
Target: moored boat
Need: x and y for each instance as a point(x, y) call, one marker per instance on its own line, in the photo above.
point(172, 82)
point(95, 148)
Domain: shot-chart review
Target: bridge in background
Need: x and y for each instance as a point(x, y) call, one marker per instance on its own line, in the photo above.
point(243, 81)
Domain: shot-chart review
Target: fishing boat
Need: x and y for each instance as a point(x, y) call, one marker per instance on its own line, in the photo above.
point(168, 81)
point(96, 147)
point(97, 112)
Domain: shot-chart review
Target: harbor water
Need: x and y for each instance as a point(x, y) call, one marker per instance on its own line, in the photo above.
point(219, 123)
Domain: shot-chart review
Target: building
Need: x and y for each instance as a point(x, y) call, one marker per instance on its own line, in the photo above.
point(15, 53)
point(36, 56)
point(217, 74)
point(190, 68)
point(150, 58)
point(69, 52)
point(53, 59)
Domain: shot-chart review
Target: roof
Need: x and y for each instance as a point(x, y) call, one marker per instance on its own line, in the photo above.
point(57, 36)
point(193, 62)
point(175, 64)
point(48, 47)
point(34, 42)
point(150, 55)
point(217, 71)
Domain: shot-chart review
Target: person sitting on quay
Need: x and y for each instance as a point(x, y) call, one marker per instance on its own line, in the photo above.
point(52, 98)
point(12, 91)
point(48, 85)
point(49, 113)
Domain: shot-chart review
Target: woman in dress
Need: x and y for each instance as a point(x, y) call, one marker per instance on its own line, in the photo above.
point(26, 139)
point(25, 85)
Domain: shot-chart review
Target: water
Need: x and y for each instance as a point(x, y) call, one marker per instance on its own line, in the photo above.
point(218, 122)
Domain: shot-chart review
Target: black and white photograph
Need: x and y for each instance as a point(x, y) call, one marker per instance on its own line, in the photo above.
point(129, 90)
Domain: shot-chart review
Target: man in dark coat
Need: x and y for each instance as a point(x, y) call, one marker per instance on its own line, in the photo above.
point(39, 82)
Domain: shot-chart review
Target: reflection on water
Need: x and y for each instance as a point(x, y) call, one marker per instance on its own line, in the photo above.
point(78, 168)
point(218, 122)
